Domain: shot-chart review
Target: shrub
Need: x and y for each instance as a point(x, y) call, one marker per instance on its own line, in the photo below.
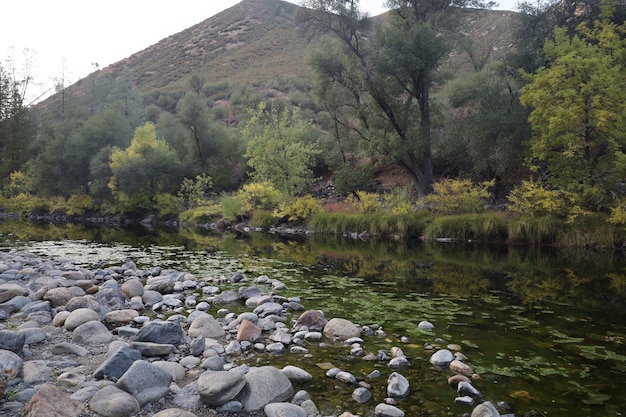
point(19, 183)
point(349, 178)
point(470, 226)
point(79, 204)
point(194, 192)
point(532, 199)
point(260, 195)
point(298, 209)
point(201, 214)
point(263, 219)
point(167, 205)
point(366, 202)
point(399, 201)
point(233, 207)
point(454, 196)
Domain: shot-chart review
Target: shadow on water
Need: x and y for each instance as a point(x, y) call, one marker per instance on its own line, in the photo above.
point(544, 327)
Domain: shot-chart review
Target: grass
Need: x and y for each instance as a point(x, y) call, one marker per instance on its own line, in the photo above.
point(377, 224)
point(478, 227)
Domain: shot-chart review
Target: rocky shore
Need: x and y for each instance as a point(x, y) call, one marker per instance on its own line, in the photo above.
point(89, 340)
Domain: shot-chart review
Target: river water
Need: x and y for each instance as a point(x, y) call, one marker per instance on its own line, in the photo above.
point(543, 327)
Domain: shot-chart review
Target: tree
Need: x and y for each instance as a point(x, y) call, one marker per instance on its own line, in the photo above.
point(385, 76)
point(282, 148)
point(16, 127)
point(578, 112)
point(144, 169)
point(487, 126)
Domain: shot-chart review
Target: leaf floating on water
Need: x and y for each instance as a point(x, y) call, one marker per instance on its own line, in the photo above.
point(520, 394)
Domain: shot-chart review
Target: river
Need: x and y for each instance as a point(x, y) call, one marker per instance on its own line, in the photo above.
point(543, 327)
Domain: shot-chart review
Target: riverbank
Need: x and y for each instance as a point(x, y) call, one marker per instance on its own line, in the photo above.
point(91, 336)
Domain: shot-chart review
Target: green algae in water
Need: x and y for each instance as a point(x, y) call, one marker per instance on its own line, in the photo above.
point(600, 353)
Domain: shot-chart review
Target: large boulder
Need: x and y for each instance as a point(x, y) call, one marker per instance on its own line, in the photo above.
point(116, 364)
point(313, 320)
point(217, 388)
point(145, 381)
point(340, 329)
point(111, 401)
point(161, 332)
point(206, 325)
point(50, 401)
point(264, 385)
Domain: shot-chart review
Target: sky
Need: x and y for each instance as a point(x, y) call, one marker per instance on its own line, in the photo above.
point(69, 36)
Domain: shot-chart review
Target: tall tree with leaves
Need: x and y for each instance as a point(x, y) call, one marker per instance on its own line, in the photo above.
point(282, 147)
point(16, 129)
point(385, 76)
point(146, 168)
point(578, 112)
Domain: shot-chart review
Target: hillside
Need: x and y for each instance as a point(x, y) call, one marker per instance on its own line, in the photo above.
point(260, 40)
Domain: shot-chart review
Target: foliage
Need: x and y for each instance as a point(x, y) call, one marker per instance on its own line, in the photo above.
point(79, 204)
point(456, 196)
point(399, 201)
point(19, 183)
point(201, 214)
point(365, 202)
point(487, 126)
point(377, 83)
point(618, 215)
point(167, 206)
point(532, 199)
point(298, 209)
point(577, 114)
point(533, 230)
point(16, 124)
point(143, 170)
point(260, 195)
point(282, 148)
point(377, 224)
point(351, 178)
point(263, 219)
point(479, 227)
point(233, 207)
point(194, 192)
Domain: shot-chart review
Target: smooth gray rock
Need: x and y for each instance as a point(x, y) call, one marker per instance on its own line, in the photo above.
point(386, 410)
point(340, 329)
point(145, 381)
point(264, 385)
point(214, 363)
point(361, 395)
point(206, 325)
point(80, 316)
point(218, 387)
point(153, 349)
point(174, 412)
point(226, 297)
point(36, 371)
point(66, 347)
point(10, 290)
point(188, 397)
point(397, 386)
point(485, 409)
point(442, 358)
point(111, 401)
point(297, 375)
point(284, 410)
point(92, 332)
point(33, 335)
point(176, 370)
point(231, 407)
point(267, 309)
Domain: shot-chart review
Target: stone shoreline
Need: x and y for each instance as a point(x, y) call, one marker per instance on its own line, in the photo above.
point(83, 341)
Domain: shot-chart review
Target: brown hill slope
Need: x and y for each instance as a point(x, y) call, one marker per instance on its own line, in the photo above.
point(260, 40)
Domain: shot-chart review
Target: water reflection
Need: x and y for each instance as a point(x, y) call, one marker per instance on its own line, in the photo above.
point(543, 326)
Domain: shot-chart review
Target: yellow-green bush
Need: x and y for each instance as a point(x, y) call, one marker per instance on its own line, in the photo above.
point(298, 209)
point(167, 205)
point(205, 213)
point(366, 202)
point(233, 207)
point(532, 199)
point(260, 195)
point(79, 204)
point(455, 196)
point(262, 218)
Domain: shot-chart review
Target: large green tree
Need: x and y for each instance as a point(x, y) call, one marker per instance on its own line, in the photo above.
point(143, 170)
point(16, 128)
point(578, 112)
point(382, 78)
point(282, 147)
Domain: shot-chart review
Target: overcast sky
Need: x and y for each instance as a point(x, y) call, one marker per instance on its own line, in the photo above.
point(81, 33)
